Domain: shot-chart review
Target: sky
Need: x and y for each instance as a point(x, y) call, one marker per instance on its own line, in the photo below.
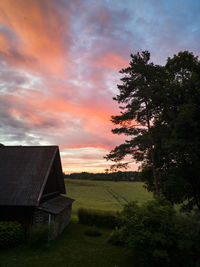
point(60, 62)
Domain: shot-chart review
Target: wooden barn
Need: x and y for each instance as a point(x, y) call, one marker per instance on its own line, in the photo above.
point(31, 184)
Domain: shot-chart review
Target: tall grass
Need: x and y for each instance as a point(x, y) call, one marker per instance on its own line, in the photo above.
point(104, 195)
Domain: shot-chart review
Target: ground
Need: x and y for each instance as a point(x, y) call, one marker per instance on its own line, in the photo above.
point(73, 248)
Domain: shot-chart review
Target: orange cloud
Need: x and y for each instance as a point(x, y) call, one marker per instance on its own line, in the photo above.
point(31, 119)
point(40, 32)
point(4, 44)
point(111, 61)
point(36, 109)
point(37, 101)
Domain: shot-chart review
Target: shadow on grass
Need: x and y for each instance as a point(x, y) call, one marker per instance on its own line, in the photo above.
point(71, 249)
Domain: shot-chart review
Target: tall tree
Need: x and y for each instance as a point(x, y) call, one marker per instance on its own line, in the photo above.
point(177, 131)
point(160, 109)
point(139, 95)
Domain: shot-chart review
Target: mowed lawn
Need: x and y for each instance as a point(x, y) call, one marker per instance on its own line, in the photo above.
point(71, 249)
point(104, 195)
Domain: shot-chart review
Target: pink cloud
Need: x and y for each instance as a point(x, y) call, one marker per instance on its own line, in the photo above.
point(59, 63)
point(42, 35)
point(111, 60)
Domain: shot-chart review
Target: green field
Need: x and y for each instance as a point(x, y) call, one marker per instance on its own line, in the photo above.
point(105, 195)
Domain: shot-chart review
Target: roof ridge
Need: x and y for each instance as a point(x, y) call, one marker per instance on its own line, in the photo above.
point(46, 176)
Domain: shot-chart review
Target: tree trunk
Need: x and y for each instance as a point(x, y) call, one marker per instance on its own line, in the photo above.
point(156, 191)
point(154, 172)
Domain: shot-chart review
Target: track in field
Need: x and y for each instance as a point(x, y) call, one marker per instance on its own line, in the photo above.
point(119, 198)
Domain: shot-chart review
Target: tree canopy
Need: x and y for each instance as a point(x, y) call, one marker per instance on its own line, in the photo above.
point(159, 115)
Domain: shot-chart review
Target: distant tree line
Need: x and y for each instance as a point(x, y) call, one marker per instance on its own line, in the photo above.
point(114, 176)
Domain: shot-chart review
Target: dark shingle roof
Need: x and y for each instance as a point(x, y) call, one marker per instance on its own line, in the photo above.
point(56, 204)
point(24, 171)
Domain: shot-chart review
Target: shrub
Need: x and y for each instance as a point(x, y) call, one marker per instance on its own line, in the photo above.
point(11, 234)
point(116, 237)
point(92, 231)
point(158, 236)
point(38, 236)
point(189, 250)
point(97, 218)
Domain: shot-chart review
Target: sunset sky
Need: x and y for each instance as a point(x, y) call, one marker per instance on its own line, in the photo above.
point(60, 60)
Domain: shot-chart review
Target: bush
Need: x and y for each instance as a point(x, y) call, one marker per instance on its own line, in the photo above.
point(11, 234)
point(97, 218)
point(189, 249)
point(38, 236)
point(157, 235)
point(92, 231)
point(116, 237)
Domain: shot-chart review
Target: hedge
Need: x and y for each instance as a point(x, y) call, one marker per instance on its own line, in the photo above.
point(97, 218)
point(11, 234)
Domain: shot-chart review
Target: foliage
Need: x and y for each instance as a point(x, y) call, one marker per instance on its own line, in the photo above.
point(138, 96)
point(177, 132)
point(160, 117)
point(189, 250)
point(11, 234)
point(113, 176)
point(97, 218)
point(157, 235)
point(38, 236)
point(116, 237)
point(92, 231)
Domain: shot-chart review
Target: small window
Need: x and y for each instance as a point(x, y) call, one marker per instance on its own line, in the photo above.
point(40, 217)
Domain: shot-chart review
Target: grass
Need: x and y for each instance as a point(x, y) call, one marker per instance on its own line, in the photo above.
point(105, 195)
point(72, 249)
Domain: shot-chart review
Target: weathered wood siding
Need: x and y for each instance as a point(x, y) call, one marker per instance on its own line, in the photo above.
point(60, 221)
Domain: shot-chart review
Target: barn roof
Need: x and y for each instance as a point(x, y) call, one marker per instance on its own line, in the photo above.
point(56, 204)
point(24, 171)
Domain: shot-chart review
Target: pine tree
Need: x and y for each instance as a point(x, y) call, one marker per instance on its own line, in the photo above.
point(139, 95)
